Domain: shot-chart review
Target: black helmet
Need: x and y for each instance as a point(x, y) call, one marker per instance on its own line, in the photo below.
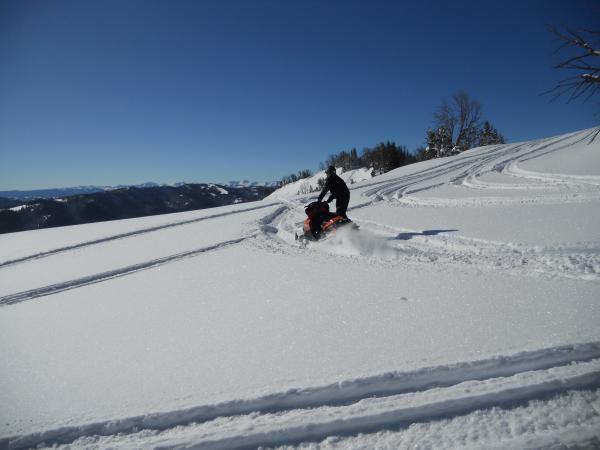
point(330, 170)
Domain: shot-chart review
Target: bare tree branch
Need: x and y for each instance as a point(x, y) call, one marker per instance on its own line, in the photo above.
point(469, 115)
point(446, 118)
point(585, 85)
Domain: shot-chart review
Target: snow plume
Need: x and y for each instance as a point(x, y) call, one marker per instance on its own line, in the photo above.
point(351, 242)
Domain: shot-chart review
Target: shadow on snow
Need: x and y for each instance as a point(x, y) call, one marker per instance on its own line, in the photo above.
point(407, 236)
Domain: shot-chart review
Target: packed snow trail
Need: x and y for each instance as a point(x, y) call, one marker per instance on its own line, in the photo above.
point(469, 293)
point(342, 408)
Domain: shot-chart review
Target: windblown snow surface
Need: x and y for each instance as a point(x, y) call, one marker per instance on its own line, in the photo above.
point(465, 313)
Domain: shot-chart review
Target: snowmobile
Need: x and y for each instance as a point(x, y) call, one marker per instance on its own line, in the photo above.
point(320, 222)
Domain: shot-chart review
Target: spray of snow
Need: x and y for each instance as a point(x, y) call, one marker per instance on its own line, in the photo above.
point(351, 242)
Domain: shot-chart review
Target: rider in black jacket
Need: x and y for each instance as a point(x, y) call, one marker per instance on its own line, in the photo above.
point(338, 190)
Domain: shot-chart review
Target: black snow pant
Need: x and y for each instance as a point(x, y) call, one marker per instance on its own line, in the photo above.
point(341, 206)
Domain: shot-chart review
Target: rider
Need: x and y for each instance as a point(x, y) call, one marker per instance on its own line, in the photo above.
point(338, 190)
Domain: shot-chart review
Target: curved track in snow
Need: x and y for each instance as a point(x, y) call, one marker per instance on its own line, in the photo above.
point(467, 168)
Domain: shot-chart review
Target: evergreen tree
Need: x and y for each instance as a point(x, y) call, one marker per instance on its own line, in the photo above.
point(439, 142)
point(382, 158)
point(354, 159)
point(489, 135)
point(444, 139)
point(421, 154)
point(295, 177)
point(432, 145)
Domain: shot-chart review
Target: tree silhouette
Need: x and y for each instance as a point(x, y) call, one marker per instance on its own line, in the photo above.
point(459, 118)
point(584, 58)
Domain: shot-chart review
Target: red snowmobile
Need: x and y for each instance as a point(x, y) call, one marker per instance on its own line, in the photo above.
point(321, 222)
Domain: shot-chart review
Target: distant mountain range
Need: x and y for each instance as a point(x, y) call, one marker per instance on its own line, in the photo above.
point(119, 203)
point(78, 190)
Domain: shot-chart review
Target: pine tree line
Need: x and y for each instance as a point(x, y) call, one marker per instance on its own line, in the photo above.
point(300, 175)
point(382, 158)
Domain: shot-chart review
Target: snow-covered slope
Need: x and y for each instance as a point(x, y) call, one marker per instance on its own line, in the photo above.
point(311, 184)
point(248, 183)
point(464, 313)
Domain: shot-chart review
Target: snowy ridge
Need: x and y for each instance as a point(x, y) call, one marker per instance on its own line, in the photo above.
point(489, 382)
point(311, 184)
point(248, 183)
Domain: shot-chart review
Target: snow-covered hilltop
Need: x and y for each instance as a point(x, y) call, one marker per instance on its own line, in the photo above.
point(463, 313)
point(247, 183)
point(311, 184)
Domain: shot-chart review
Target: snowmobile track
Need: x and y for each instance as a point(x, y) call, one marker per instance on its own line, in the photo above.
point(473, 165)
point(96, 278)
point(312, 425)
point(361, 405)
point(126, 235)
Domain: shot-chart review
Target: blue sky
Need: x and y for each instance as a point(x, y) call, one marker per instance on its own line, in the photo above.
point(122, 92)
